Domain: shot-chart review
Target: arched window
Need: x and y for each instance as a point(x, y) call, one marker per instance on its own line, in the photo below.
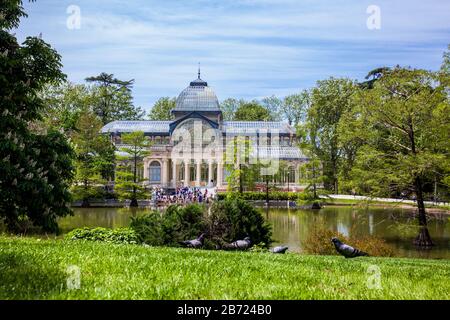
point(154, 172)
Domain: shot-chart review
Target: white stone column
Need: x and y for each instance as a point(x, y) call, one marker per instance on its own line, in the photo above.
point(198, 175)
point(164, 174)
point(174, 174)
point(210, 172)
point(187, 172)
point(219, 174)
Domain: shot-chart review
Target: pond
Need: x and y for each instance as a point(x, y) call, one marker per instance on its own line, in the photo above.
point(291, 227)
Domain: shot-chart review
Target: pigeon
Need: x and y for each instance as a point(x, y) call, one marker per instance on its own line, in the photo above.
point(238, 245)
point(195, 243)
point(279, 249)
point(346, 250)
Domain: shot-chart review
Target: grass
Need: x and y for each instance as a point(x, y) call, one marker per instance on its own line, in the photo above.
point(36, 269)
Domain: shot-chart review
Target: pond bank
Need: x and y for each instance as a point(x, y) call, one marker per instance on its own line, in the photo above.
point(385, 205)
point(284, 204)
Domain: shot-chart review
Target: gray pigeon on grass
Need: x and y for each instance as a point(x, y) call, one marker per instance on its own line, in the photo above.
point(346, 250)
point(238, 245)
point(279, 249)
point(195, 243)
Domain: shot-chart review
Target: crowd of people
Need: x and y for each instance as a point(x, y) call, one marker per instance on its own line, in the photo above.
point(182, 195)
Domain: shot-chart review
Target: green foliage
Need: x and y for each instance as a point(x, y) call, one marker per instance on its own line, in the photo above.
point(113, 99)
point(403, 125)
point(295, 106)
point(79, 193)
point(36, 166)
point(274, 105)
point(95, 154)
point(128, 183)
point(36, 269)
point(233, 219)
point(119, 235)
point(331, 99)
point(312, 175)
point(308, 197)
point(64, 104)
point(226, 221)
point(175, 224)
point(372, 77)
point(229, 107)
point(273, 195)
point(252, 111)
point(11, 12)
point(162, 108)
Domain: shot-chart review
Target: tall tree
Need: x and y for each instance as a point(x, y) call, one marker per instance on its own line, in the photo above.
point(294, 107)
point(162, 108)
point(252, 111)
point(372, 77)
point(229, 107)
point(274, 105)
point(115, 101)
point(128, 182)
point(94, 156)
point(64, 104)
point(311, 171)
point(36, 167)
point(405, 122)
point(330, 100)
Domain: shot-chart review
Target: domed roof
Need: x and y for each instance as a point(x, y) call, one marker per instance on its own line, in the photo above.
point(197, 97)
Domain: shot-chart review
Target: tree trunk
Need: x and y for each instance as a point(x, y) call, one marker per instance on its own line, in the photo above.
point(423, 239)
point(134, 203)
point(314, 180)
point(241, 187)
point(85, 203)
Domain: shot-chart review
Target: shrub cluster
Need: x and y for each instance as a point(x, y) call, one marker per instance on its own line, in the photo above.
point(119, 235)
point(168, 228)
point(234, 219)
point(224, 222)
point(319, 242)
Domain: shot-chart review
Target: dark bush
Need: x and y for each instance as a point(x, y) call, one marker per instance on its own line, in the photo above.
point(234, 219)
point(170, 227)
point(226, 221)
point(119, 235)
point(148, 228)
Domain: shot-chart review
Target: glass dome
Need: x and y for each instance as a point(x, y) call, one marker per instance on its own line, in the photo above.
point(197, 97)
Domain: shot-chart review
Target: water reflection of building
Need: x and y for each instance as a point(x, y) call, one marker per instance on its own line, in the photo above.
point(199, 126)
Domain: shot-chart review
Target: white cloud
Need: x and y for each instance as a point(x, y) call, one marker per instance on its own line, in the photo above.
point(248, 48)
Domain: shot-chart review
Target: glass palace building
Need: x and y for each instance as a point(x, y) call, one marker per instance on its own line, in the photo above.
point(198, 148)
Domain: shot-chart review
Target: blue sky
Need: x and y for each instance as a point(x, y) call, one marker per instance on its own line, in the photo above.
point(247, 48)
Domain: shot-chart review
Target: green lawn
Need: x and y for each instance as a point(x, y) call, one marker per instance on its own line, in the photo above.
point(36, 269)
